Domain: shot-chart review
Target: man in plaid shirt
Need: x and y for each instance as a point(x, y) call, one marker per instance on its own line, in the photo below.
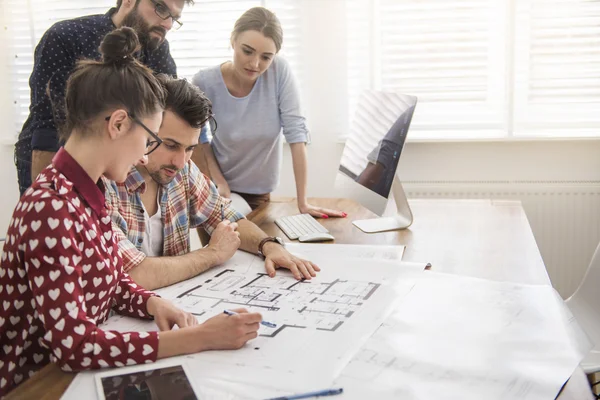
point(161, 201)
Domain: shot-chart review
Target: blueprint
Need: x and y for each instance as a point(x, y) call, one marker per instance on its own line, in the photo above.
point(331, 314)
point(318, 305)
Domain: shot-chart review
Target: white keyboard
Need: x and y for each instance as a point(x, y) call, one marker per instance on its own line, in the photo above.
point(295, 226)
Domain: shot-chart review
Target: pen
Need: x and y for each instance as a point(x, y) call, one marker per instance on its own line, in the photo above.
point(222, 213)
point(265, 323)
point(318, 393)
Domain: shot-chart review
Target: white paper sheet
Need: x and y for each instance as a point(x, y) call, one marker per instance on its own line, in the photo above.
point(316, 252)
point(321, 323)
point(456, 337)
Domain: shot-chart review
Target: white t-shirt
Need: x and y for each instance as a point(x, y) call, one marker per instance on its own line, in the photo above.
point(152, 246)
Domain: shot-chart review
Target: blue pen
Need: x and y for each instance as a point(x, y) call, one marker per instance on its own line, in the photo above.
point(318, 393)
point(265, 323)
point(222, 213)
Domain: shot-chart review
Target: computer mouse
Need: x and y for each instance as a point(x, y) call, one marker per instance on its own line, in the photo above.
point(316, 237)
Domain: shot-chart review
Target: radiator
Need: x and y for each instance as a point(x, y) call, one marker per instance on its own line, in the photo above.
point(564, 217)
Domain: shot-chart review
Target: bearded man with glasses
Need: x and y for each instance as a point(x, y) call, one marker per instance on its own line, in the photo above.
point(68, 41)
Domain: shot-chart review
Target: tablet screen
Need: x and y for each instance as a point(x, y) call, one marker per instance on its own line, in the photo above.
point(169, 383)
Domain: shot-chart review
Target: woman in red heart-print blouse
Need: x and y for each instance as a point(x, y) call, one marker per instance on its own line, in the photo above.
point(61, 271)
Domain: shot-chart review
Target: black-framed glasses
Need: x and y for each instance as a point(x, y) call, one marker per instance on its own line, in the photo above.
point(151, 145)
point(212, 123)
point(164, 13)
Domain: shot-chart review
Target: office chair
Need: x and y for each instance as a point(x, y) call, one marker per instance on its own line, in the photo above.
point(585, 306)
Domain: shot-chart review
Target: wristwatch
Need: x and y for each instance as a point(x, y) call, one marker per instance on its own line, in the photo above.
point(266, 240)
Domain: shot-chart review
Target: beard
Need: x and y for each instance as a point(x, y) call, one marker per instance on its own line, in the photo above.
point(163, 180)
point(135, 21)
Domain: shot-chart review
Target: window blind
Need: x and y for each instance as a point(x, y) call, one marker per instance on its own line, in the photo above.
point(450, 54)
point(203, 40)
point(557, 68)
point(25, 22)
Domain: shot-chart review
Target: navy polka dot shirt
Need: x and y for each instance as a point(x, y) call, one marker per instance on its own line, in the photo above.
point(55, 57)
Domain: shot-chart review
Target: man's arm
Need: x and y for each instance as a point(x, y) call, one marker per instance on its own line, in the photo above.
point(39, 160)
point(157, 272)
point(250, 236)
point(55, 58)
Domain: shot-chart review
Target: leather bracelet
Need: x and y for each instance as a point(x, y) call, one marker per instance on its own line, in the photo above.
point(265, 241)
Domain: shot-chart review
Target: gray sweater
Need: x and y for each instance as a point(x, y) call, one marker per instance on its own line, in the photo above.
point(248, 143)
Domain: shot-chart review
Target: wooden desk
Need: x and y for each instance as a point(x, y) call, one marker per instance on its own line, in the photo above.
point(480, 238)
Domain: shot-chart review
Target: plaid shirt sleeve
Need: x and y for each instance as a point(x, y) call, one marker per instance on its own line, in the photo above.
point(205, 202)
point(132, 257)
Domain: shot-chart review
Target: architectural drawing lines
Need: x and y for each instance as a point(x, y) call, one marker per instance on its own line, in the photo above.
point(322, 306)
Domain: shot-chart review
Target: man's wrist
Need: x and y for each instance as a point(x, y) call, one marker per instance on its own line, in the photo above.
point(211, 255)
point(269, 247)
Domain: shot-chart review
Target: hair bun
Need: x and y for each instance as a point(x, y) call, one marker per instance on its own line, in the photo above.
point(119, 46)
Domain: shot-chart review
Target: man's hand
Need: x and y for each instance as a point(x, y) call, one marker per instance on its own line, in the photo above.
point(166, 315)
point(277, 256)
point(40, 160)
point(225, 240)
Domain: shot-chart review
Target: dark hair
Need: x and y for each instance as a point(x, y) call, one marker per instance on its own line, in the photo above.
point(119, 2)
point(261, 20)
point(119, 80)
point(186, 100)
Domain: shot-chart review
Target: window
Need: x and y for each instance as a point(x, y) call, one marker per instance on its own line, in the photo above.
point(25, 23)
point(557, 68)
point(482, 68)
point(202, 41)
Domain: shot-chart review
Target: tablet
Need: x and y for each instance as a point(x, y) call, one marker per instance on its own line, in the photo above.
point(146, 382)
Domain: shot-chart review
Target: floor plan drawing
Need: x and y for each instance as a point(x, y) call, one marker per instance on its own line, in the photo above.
point(334, 313)
point(323, 306)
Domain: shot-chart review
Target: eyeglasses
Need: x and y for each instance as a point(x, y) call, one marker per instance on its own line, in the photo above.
point(212, 123)
point(151, 145)
point(164, 13)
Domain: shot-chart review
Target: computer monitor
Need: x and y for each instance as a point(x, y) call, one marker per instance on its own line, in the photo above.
point(367, 172)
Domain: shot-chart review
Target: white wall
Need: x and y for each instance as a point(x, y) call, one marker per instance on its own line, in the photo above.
point(576, 160)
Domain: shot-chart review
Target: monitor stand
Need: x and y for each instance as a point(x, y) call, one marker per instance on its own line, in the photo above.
point(394, 218)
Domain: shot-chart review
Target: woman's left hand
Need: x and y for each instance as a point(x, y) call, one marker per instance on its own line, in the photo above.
point(167, 315)
point(319, 212)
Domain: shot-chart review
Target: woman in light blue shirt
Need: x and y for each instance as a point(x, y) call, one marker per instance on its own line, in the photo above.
point(255, 98)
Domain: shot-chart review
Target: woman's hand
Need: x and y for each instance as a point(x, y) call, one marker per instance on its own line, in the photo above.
point(166, 315)
point(319, 212)
point(228, 332)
